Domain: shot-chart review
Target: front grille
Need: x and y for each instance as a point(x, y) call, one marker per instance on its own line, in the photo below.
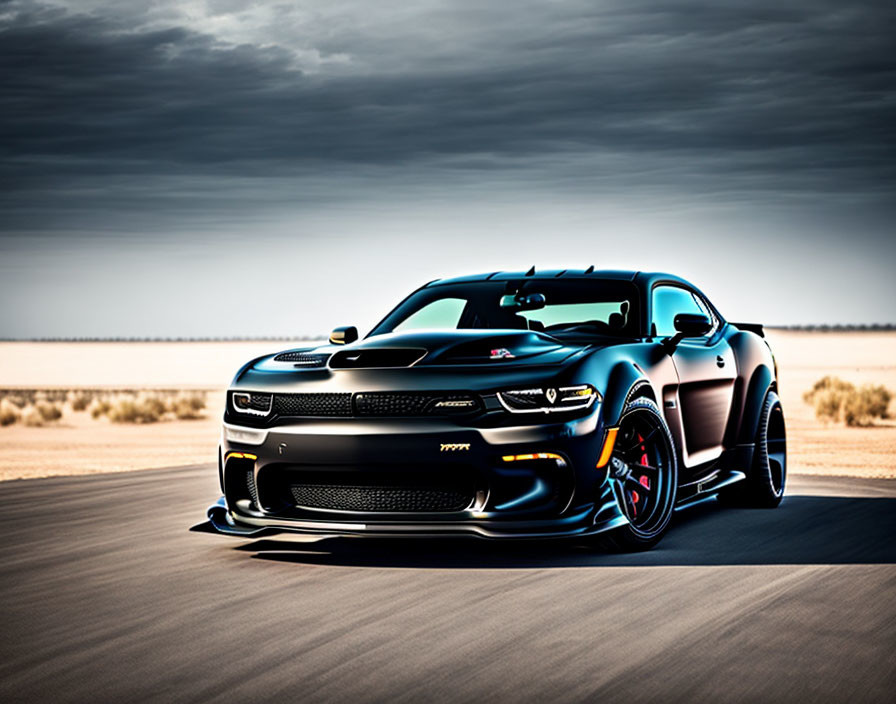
point(303, 359)
point(409, 404)
point(327, 405)
point(384, 494)
point(376, 404)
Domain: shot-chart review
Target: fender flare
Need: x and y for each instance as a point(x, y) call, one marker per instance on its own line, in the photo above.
point(761, 382)
point(625, 383)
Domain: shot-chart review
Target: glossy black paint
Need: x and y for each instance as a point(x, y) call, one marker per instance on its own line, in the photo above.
point(710, 389)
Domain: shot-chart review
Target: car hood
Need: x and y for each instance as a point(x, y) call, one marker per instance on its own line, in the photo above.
point(436, 348)
point(491, 348)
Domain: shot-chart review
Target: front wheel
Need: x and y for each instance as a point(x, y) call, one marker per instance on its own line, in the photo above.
point(645, 469)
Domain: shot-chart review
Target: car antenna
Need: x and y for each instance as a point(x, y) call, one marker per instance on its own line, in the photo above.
point(531, 271)
point(589, 269)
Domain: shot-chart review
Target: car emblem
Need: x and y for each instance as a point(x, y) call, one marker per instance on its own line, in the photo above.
point(454, 446)
point(551, 395)
point(500, 353)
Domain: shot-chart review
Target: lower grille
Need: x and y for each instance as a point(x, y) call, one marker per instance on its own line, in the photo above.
point(386, 494)
point(250, 485)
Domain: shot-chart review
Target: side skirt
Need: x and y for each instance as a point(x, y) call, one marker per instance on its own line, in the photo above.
point(696, 492)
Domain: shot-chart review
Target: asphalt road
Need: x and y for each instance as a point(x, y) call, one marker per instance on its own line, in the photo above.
point(106, 596)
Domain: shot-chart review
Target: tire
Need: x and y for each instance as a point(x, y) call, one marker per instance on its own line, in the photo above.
point(642, 423)
point(765, 482)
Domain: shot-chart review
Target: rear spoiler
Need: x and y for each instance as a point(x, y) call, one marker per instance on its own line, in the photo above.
point(751, 327)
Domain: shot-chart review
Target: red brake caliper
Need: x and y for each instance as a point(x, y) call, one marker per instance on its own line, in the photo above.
point(643, 480)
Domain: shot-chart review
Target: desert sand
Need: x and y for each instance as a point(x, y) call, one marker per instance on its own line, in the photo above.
point(77, 444)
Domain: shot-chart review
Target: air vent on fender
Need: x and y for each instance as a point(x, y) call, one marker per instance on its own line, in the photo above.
point(376, 358)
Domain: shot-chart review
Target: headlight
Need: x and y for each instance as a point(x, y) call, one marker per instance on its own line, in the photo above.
point(566, 398)
point(254, 404)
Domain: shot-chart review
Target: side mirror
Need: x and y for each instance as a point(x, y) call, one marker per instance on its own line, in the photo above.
point(344, 336)
point(692, 324)
point(687, 325)
point(534, 301)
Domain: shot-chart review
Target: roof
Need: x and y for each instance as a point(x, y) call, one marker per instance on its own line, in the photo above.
point(542, 274)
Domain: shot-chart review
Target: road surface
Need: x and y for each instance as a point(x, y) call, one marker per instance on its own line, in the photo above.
point(106, 596)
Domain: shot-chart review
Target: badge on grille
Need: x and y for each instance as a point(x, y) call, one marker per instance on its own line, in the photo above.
point(454, 446)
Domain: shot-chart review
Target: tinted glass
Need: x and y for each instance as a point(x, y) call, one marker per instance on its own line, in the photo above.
point(669, 301)
point(573, 307)
point(441, 314)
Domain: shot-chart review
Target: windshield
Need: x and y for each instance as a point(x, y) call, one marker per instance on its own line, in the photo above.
point(572, 307)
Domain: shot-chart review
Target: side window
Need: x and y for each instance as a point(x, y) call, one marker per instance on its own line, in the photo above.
point(442, 314)
point(669, 301)
point(707, 311)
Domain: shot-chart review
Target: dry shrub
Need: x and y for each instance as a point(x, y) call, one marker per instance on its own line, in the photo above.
point(99, 407)
point(836, 400)
point(136, 410)
point(152, 405)
point(866, 404)
point(9, 413)
point(32, 417)
point(80, 400)
point(188, 407)
point(18, 399)
point(48, 411)
point(124, 406)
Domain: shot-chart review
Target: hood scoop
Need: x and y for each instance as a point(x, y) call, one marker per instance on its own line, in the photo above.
point(303, 358)
point(377, 358)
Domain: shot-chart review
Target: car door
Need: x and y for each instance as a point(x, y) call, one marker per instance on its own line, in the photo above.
point(706, 372)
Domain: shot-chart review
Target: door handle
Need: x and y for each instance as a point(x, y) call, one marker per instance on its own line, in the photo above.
point(720, 361)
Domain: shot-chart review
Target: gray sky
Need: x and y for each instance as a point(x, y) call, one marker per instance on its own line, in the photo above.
point(199, 168)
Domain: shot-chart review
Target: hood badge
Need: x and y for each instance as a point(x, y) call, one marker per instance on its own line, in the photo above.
point(551, 395)
point(500, 353)
point(454, 446)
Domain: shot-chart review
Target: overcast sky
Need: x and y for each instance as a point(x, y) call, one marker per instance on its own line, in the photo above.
point(223, 168)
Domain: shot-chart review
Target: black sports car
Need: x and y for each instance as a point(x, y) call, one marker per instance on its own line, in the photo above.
point(532, 404)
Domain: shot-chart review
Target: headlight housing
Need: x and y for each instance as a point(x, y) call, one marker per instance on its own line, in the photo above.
point(551, 400)
point(252, 403)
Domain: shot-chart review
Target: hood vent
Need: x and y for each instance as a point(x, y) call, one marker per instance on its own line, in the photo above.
point(303, 359)
point(380, 358)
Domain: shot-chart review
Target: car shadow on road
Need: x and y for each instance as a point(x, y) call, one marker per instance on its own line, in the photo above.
point(803, 530)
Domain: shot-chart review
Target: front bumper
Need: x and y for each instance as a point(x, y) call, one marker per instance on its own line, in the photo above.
point(522, 481)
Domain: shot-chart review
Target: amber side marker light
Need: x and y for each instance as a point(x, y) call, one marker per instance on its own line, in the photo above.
point(607, 451)
point(240, 456)
point(533, 456)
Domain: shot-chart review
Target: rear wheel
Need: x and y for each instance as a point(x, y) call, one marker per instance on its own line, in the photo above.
point(764, 485)
point(645, 468)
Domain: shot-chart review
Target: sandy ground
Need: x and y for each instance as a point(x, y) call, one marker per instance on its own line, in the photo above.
point(81, 445)
point(861, 358)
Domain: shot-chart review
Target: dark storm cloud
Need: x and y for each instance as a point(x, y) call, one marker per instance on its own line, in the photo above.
point(763, 96)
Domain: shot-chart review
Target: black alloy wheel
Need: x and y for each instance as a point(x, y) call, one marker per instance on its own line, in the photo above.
point(765, 482)
point(645, 468)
